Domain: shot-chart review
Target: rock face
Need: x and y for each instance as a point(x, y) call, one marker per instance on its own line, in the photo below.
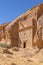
point(2, 32)
point(27, 30)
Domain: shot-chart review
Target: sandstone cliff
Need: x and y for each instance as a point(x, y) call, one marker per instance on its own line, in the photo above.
point(36, 16)
point(11, 31)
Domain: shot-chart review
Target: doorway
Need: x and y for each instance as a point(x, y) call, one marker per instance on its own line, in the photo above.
point(24, 45)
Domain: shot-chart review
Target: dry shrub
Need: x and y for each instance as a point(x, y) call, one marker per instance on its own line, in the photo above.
point(4, 45)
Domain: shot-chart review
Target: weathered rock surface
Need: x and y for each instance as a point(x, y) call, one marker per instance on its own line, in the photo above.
point(25, 31)
point(27, 28)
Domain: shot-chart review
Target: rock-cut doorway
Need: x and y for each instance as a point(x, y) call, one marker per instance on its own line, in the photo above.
point(24, 45)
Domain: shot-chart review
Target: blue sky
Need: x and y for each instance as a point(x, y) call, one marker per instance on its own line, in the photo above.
point(11, 9)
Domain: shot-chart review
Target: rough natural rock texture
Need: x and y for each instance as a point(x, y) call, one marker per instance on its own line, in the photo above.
point(27, 30)
point(22, 57)
point(2, 32)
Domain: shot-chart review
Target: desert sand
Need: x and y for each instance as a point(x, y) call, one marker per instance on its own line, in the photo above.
point(15, 56)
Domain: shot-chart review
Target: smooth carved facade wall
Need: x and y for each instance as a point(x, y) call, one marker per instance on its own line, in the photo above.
point(25, 33)
point(26, 38)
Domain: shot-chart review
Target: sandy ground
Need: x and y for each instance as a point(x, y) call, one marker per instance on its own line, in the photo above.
point(21, 57)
